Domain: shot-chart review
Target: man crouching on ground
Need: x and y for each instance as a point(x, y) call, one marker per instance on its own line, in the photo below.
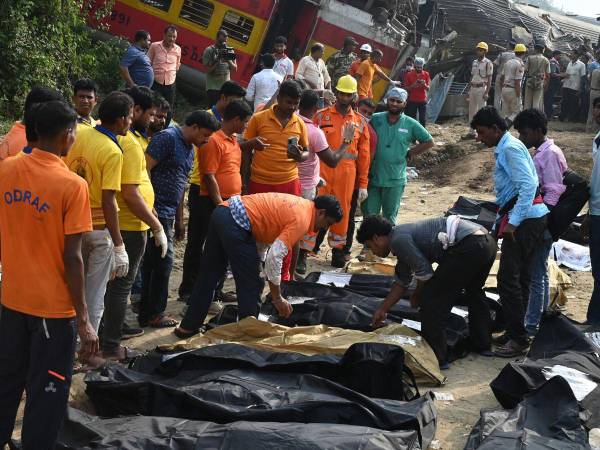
point(236, 228)
point(464, 252)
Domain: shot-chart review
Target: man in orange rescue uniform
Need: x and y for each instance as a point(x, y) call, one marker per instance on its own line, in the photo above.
point(44, 212)
point(238, 229)
point(340, 180)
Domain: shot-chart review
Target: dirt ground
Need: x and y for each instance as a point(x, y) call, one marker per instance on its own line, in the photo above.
point(455, 167)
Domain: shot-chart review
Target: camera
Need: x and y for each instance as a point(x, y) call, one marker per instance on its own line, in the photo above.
point(226, 53)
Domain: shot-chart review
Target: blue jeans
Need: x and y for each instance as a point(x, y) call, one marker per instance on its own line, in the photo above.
point(593, 312)
point(156, 272)
point(226, 242)
point(539, 290)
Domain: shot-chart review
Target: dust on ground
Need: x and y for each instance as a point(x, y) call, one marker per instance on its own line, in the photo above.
point(455, 167)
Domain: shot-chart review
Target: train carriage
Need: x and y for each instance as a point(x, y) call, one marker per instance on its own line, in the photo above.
point(252, 25)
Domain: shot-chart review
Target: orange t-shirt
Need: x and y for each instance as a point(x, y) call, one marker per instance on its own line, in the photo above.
point(272, 165)
point(331, 121)
point(13, 142)
point(41, 201)
point(366, 70)
point(279, 216)
point(222, 157)
point(354, 67)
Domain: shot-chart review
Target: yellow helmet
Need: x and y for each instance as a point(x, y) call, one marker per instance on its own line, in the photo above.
point(346, 84)
point(520, 48)
point(482, 46)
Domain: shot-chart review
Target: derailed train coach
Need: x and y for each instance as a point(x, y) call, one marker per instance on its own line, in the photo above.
point(252, 26)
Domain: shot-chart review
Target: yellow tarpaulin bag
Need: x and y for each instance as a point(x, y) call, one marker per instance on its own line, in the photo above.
point(319, 339)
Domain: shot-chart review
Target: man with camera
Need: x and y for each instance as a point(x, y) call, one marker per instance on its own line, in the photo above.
point(219, 60)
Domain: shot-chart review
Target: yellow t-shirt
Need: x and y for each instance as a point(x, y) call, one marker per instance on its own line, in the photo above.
point(134, 172)
point(99, 160)
point(195, 173)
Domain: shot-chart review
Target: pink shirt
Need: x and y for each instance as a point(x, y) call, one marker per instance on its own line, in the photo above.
point(317, 142)
point(164, 62)
point(550, 165)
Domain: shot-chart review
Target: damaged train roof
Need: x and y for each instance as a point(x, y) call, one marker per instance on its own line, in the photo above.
point(454, 27)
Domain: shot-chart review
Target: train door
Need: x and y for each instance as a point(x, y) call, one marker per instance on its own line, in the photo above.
point(295, 20)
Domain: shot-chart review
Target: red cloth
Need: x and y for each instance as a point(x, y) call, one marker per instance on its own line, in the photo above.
point(419, 93)
point(292, 187)
point(503, 222)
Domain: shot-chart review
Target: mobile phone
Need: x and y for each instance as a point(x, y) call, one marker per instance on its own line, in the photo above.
point(293, 141)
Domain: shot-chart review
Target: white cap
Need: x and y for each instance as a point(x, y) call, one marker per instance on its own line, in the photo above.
point(366, 48)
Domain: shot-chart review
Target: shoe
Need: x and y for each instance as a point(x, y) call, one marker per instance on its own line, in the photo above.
point(225, 297)
point(511, 349)
point(183, 298)
point(301, 264)
point(501, 339)
point(531, 331)
point(129, 332)
point(215, 307)
point(337, 258)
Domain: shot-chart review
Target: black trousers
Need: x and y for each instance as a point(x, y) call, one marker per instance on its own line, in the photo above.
point(36, 355)
point(421, 107)
point(197, 232)
point(549, 97)
point(167, 91)
point(351, 222)
point(199, 209)
point(514, 276)
point(569, 108)
point(465, 267)
point(118, 290)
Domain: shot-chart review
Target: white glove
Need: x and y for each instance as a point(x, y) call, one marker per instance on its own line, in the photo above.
point(121, 261)
point(160, 240)
point(362, 195)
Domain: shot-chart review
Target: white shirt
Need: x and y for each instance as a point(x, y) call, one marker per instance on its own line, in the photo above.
point(314, 72)
point(262, 86)
point(575, 72)
point(284, 67)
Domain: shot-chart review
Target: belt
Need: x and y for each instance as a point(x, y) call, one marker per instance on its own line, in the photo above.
point(478, 85)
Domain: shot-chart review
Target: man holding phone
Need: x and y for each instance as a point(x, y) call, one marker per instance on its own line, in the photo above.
point(275, 168)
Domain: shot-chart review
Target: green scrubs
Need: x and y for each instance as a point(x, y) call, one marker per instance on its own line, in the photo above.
point(387, 175)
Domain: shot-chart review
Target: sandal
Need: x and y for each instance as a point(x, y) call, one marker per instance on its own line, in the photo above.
point(162, 322)
point(184, 334)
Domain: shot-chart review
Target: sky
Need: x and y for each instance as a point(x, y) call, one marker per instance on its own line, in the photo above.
point(589, 8)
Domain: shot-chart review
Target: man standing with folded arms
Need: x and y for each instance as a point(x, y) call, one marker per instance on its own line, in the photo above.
point(43, 300)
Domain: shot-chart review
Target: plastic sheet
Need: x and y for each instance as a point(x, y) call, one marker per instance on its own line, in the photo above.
point(365, 367)
point(559, 342)
point(319, 339)
point(82, 432)
point(546, 419)
point(251, 395)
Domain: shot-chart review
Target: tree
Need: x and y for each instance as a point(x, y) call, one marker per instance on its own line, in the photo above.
point(48, 43)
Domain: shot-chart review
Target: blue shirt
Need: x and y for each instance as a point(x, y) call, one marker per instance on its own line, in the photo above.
point(595, 179)
point(140, 68)
point(515, 174)
point(170, 176)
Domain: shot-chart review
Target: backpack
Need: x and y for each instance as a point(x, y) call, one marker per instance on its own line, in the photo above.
point(570, 203)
